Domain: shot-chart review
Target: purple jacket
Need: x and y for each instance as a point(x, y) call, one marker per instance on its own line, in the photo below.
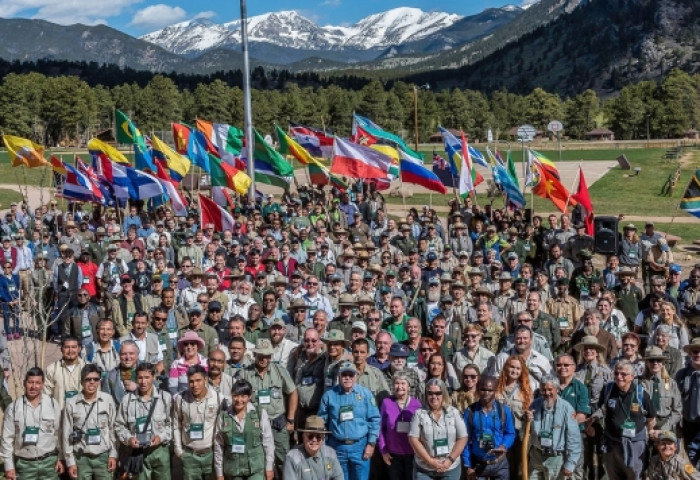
point(391, 441)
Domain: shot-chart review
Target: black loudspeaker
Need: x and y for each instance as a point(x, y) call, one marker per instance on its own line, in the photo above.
point(606, 237)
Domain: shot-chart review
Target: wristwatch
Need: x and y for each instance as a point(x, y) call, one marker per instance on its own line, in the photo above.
point(290, 421)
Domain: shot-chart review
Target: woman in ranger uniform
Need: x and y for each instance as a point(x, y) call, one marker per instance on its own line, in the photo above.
point(243, 446)
point(663, 391)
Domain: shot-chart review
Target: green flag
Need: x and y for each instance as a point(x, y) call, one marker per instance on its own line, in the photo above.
point(264, 152)
point(511, 170)
point(128, 133)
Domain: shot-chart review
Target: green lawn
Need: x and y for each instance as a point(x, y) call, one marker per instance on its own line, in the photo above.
point(8, 196)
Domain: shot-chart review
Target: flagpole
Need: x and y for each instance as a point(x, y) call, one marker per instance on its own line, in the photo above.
point(578, 174)
point(247, 103)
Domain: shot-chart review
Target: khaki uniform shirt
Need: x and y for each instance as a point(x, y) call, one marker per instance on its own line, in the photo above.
point(514, 306)
point(567, 308)
point(19, 416)
point(668, 415)
point(269, 391)
point(98, 432)
point(492, 336)
point(134, 407)
point(224, 387)
point(599, 377)
point(193, 421)
point(675, 468)
point(299, 465)
point(480, 359)
point(62, 383)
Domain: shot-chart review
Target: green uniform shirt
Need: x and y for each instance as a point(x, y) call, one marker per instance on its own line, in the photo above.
point(269, 390)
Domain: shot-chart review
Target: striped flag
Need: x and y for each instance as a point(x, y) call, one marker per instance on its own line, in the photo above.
point(357, 161)
point(691, 197)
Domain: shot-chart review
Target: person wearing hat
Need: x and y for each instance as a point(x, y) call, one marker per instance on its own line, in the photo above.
point(307, 367)
point(405, 242)
point(209, 336)
point(491, 240)
point(189, 249)
point(398, 365)
point(314, 299)
point(648, 239)
point(297, 321)
point(189, 346)
point(109, 272)
point(578, 242)
point(557, 260)
point(350, 412)
point(593, 371)
point(628, 294)
point(274, 392)
point(663, 390)
point(312, 459)
point(483, 295)
point(360, 229)
point(504, 291)
point(188, 296)
point(688, 380)
point(670, 462)
point(195, 412)
point(630, 252)
point(70, 237)
point(67, 279)
point(460, 240)
point(346, 317)
point(565, 309)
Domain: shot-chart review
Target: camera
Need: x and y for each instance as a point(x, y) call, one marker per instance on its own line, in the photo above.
point(76, 436)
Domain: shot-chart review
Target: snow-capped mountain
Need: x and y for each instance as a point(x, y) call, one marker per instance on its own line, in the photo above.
point(291, 30)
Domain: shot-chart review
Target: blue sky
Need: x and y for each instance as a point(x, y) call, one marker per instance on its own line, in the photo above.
point(141, 16)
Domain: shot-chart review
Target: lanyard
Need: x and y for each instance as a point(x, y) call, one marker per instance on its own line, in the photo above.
point(24, 407)
point(189, 408)
point(70, 375)
point(550, 431)
point(87, 417)
point(622, 406)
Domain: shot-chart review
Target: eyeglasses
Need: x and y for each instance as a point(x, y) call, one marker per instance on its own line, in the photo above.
point(472, 335)
point(564, 365)
point(629, 345)
point(471, 377)
point(92, 379)
point(83, 294)
point(434, 394)
point(372, 319)
point(621, 374)
point(313, 284)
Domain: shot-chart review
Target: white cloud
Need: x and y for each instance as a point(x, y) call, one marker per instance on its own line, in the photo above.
point(65, 12)
point(157, 16)
point(208, 14)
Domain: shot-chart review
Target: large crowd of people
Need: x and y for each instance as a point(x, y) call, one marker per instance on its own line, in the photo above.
point(322, 338)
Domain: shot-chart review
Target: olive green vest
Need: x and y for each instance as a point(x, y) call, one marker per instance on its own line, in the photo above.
point(253, 459)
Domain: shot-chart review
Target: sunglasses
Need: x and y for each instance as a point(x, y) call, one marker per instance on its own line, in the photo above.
point(190, 344)
point(471, 377)
point(434, 394)
point(564, 365)
point(315, 436)
point(160, 319)
point(92, 379)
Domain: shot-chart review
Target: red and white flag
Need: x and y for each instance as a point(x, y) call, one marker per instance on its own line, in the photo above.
point(212, 213)
point(358, 161)
point(584, 199)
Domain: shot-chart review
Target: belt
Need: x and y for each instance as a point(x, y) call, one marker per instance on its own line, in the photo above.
point(92, 455)
point(40, 457)
point(549, 453)
point(199, 453)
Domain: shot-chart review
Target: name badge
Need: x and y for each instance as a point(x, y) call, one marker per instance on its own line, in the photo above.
point(86, 331)
point(65, 285)
point(346, 413)
point(545, 440)
point(634, 407)
point(30, 436)
point(629, 429)
point(441, 447)
point(563, 323)
point(238, 445)
point(172, 334)
point(411, 364)
point(11, 288)
point(86, 281)
point(71, 394)
point(196, 431)
point(93, 436)
point(402, 427)
point(264, 397)
point(612, 403)
point(307, 381)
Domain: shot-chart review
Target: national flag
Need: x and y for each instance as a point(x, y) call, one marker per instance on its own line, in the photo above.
point(320, 175)
point(197, 150)
point(289, 146)
point(511, 170)
point(317, 142)
point(181, 137)
point(491, 156)
point(691, 197)
point(178, 164)
point(145, 186)
point(376, 131)
point(363, 137)
point(128, 133)
point(101, 149)
point(511, 189)
point(92, 178)
point(548, 186)
point(212, 213)
point(466, 181)
point(584, 200)
point(442, 169)
point(357, 161)
point(77, 186)
point(227, 139)
point(24, 152)
point(264, 152)
point(224, 175)
point(115, 175)
point(414, 172)
point(453, 149)
point(58, 166)
point(394, 155)
point(477, 156)
point(546, 163)
point(264, 173)
point(176, 199)
point(498, 156)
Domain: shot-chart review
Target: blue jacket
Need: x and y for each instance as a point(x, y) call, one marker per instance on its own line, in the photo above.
point(478, 424)
point(9, 288)
point(366, 419)
point(566, 438)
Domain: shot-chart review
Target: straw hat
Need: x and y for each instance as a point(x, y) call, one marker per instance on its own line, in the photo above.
point(589, 341)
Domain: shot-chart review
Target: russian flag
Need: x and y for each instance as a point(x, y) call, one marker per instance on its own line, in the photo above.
point(357, 161)
point(414, 172)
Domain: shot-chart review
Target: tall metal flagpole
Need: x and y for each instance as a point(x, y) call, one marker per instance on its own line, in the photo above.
point(247, 104)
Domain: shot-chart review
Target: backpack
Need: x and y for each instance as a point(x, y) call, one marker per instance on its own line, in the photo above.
point(90, 350)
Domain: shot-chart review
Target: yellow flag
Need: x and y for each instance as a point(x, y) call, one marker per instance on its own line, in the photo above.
point(178, 164)
point(99, 147)
point(24, 152)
